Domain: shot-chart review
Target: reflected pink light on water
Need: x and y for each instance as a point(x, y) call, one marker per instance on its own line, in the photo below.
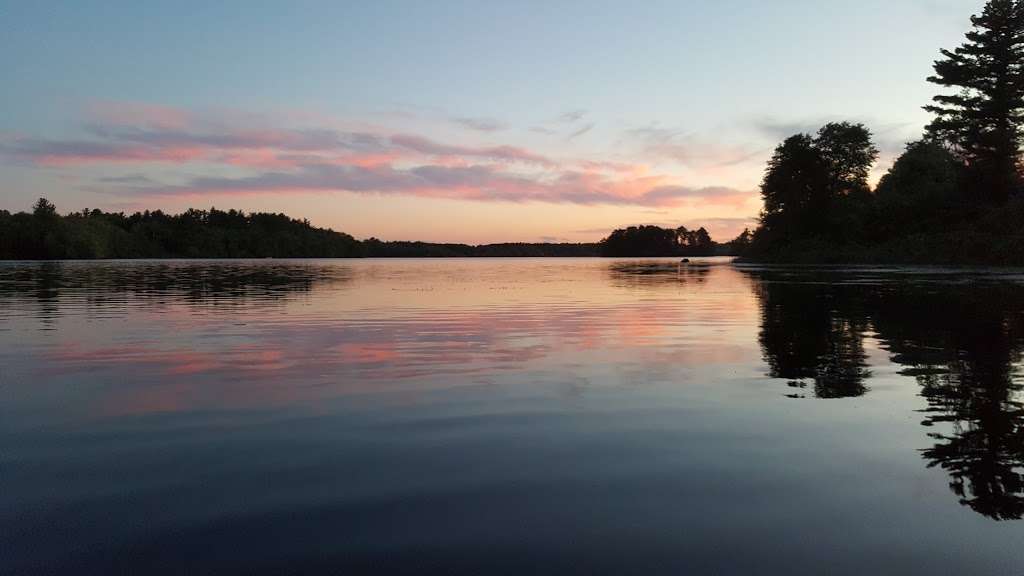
point(367, 352)
point(375, 334)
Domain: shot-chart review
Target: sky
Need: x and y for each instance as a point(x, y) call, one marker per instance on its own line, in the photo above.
point(462, 121)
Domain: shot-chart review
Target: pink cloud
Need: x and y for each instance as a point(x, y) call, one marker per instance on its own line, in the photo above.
point(284, 160)
point(472, 182)
point(81, 153)
point(431, 148)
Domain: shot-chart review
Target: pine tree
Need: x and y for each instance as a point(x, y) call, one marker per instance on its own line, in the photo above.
point(982, 122)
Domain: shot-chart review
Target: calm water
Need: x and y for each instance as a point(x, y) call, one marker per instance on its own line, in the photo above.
point(509, 416)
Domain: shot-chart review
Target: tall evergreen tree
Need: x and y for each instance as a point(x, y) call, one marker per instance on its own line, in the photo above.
point(982, 121)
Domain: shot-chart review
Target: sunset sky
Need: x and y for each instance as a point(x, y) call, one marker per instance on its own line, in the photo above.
point(450, 121)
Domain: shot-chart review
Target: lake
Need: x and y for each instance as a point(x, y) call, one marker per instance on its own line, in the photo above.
point(510, 417)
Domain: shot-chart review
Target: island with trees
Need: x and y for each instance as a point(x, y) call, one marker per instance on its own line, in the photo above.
point(654, 241)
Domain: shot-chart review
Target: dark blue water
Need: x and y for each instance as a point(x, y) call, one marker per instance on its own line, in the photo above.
point(509, 417)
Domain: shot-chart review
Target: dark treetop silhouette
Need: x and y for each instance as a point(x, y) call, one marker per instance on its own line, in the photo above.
point(954, 196)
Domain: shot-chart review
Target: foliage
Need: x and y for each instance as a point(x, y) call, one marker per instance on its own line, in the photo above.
point(982, 120)
point(848, 153)
point(919, 213)
point(949, 198)
point(814, 185)
point(739, 245)
point(46, 235)
point(213, 233)
point(921, 192)
point(657, 241)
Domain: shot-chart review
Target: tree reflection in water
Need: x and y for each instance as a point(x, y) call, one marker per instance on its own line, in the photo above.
point(119, 286)
point(647, 273)
point(963, 345)
point(807, 335)
point(961, 342)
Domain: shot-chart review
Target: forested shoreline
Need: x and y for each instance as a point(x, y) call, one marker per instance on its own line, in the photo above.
point(45, 234)
point(954, 196)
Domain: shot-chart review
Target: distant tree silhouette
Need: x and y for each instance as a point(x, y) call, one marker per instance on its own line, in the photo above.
point(656, 241)
point(982, 120)
point(694, 242)
point(641, 241)
point(44, 234)
point(740, 244)
point(43, 208)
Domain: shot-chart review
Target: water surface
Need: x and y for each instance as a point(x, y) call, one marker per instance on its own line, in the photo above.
point(509, 416)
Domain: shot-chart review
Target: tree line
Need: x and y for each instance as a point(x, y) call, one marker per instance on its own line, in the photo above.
point(44, 234)
point(955, 195)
